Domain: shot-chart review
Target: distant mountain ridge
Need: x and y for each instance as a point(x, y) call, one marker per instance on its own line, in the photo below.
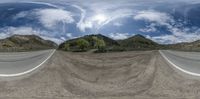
point(108, 41)
point(186, 46)
point(136, 42)
point(25, 43)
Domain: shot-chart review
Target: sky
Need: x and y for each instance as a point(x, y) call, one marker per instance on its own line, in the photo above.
point(163, 21)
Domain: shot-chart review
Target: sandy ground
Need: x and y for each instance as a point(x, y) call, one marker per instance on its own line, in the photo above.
point(124, 75)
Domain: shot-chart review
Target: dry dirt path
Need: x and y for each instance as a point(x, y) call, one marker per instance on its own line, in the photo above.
point(124, 75)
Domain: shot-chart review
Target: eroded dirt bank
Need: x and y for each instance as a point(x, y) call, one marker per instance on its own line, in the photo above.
point(128, 75)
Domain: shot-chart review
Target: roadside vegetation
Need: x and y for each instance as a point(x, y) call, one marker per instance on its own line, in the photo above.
point(94, 43)
point(83, 45)
point(100, 44)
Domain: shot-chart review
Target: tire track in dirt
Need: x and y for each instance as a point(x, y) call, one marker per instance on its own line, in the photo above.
point(132, 77)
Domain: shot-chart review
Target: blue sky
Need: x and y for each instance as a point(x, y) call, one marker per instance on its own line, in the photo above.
point(164, 21)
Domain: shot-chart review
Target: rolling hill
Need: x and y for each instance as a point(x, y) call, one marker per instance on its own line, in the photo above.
point(136, 42)
point(25, 43)
point(108, 41)
point(186, 46)
point(139, 42)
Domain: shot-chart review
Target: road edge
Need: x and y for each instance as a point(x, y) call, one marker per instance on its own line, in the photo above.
point(28, 71)
point(177, 67)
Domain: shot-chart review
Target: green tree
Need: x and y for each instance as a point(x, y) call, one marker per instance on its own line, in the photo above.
point(99, 44)
point(66, 47)
point(82, 44)
point(94, 41)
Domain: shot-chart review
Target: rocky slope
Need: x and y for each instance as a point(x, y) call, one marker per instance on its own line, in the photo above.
point(25, 43)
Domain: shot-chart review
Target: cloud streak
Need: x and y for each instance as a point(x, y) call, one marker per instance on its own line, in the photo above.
point(154, 16)
point(92, 22)
point(119, 36)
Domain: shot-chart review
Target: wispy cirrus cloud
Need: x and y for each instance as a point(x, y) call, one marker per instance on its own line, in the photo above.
point(50, 17)
point(149, 28)
point(118, 24)
point(153, 16)
point(119, 36)
point(172, 39)
point(101, 18)
point(179, 33)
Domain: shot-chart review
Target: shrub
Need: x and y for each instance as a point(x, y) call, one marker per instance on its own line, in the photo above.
point(99, 44)
point(66, 47)
point(116, 49)
point(82, 44)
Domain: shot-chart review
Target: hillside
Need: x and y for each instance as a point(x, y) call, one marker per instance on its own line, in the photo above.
point(25, 43)
point(138, 42)
point(108, 41)
point(186, 46)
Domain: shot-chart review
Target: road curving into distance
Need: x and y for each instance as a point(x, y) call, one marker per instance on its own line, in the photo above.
point(187, 62)
point(20, 63)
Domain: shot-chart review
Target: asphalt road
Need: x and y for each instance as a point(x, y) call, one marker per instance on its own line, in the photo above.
point(188, 62)
point(19, 63)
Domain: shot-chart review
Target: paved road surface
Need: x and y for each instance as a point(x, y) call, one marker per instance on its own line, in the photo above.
point(19, 63)
point(188, 62)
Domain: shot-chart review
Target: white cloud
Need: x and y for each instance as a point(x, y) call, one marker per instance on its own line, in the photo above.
point(178, 36)
point(117, 24)
point(113, 11)
point(119, 36)
point(178, 32)
point(9, 31)
point(69, 35)
point(100, 18)
point(82, 24)
point(150, 28)
point(117, 14)
point(21, 15)
point(91, 22)
point(3, 35)
point(153, 16)
point(43, 3)
point(165, 39)
point(50, 17)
